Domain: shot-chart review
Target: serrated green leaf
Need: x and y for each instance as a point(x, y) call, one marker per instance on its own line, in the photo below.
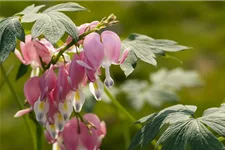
point(10, 30)
point(50, 26)
point(157, 120)
point(22, 71)
point(190, 134)
point(215, 119)
point(65, 7)
point(31, 9)
point(146, 48)
point(183, 131)
point(52, 23)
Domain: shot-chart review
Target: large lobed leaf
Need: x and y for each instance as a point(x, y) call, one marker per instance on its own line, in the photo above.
point(184, 132)
point(10, 30)
point(145, 48)
point(52, 23)
point(164, 87)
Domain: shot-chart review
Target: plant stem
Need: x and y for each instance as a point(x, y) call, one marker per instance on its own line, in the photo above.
point(122, 109)
point(18, 102)
point(119, 106)
point(39, 136)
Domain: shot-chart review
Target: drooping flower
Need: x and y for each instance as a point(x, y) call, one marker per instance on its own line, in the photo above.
point(112, 50)
point(29, 55)
point(77, 136)
point(75, 78)
point(61, 94)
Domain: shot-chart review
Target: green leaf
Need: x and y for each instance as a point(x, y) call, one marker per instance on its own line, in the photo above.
point(52, 23)
point(190, 133)
point(146, 48)
point(22, 71)
point(31, 9)
point(163, 88)
point(10, 30)
point(66, 7)
point(182, 132)
point(129, 64)
point(215, 119)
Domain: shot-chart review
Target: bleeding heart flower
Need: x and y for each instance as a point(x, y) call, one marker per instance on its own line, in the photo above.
point(76, 135)
point(112, 50)
point(29, 55)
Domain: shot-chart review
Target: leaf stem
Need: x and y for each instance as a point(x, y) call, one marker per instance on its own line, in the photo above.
point(122, 109)
point(18, 102)
point(119, 106)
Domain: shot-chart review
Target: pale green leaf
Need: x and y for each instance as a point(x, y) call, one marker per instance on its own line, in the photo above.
point(52, 23)
point(70, 6)
point(31, 9)
point(164, 87)
point(146, 48)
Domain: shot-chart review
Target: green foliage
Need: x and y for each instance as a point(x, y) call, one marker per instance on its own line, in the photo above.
point(10, 30)
point(22, 71)
point(52, 23)
point(183, 130)
point(164, 87)
point(145, 48)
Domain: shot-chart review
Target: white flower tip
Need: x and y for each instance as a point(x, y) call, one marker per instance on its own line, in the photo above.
point(77, 107)
point(98, 96)
point(109, 82)
point(22, 112)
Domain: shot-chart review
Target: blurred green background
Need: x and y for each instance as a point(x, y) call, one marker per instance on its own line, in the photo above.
point(200, 25)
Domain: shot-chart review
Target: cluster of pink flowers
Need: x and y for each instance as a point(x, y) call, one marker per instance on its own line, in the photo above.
point(53, 97)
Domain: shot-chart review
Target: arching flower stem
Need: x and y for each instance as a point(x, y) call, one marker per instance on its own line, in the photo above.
point(111, 20)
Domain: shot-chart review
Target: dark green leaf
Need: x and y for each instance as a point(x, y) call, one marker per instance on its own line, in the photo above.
point(190, 134)
point(146, 48)
point(10, 30)
point(183, 131)
point(52, 23)
point(22, 71)
point(157, 120)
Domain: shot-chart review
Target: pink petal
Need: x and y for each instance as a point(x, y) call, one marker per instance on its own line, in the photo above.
point(90, 72)
point(19, 56)
point(76, 72)
point(47, 82)
point(70, 134)
point(69, 39)
point(62, 83)
point(93, 119)
point(93, 49)
point(89, 141)
point(52, 109)
point(93, 24)
point(32, 90)
point(23, 112)
point(112, 45)
point(28, 50)
point(82, 28)
point(124, 55)
point(42, 51)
